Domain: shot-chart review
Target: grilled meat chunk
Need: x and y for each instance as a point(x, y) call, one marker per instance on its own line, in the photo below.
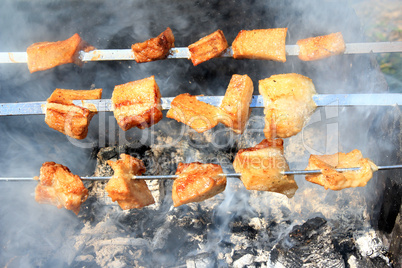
point(128, 192)
point(288, 102)
point(320, 47)
point(236, 102)
point(46, 55)
point(197, 182)
point(137, 104)
point(72, 120)
point(261, 167)
point(263, 44)
point(58, 186)
point(208, 47)
point(199, 115)
point(155, 48)
point(334, 180)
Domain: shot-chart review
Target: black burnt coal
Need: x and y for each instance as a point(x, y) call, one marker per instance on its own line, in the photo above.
point(312, 244)
point(197, 235)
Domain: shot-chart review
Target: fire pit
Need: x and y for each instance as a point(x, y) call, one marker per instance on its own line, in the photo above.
point(356, 227)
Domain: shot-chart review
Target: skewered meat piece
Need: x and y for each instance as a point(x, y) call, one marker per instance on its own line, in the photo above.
point(67, 118)
point(208, 47)
point(320, 47)
point(334, 180)
point(58, 186)
point(288, 102)
point(128, 192)
point(197, 182)
point(261, 166)
point(199, 115)
point(137, 104)
point(263, 44)
point(46, 55)
point(155, 48)
point(236, 102)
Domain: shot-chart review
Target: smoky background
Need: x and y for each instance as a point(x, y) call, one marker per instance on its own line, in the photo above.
point(41, 235)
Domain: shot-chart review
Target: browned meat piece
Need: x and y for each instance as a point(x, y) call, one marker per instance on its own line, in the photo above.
point(288, 101)
point(46, 55)
point(236, 102)
point(58, 186)
point(208, 47)
point(199, 115)
point(155, 48)
point(67, 118)
point(197, 182)
point(261, 167)
point(334, 180)
point(264, 44)
point(137, 104)
point(320, 47)
point(128, 192)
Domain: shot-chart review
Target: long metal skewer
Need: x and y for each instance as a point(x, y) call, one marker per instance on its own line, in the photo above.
point(236, 175)
point(105, 105)
point(183, 52)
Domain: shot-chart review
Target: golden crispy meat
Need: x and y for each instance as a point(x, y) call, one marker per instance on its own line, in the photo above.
point(199, 115)
point(197, 182)
point(236, 102)
point(72, 120)
point(128, 192)
point(58, 186)
point(288, 102)
point(46, 55)
point(320, 47)
point(331, 179)
point(208, 47)
point(155, 48)
point(264, 44)
point(261, 167)
point(137, 104)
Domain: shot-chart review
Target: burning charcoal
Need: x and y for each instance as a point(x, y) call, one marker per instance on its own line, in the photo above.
point(238, 254)
point(203, 260)
point(107, 153)
point(396, 245)
point(308, 245)
point(370, 245)
point(244, 261)
point(238, 226)
point(354, 261)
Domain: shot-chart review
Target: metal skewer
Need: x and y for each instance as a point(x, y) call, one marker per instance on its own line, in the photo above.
point(235, 175)
point(183, 52)
point(105, 105)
